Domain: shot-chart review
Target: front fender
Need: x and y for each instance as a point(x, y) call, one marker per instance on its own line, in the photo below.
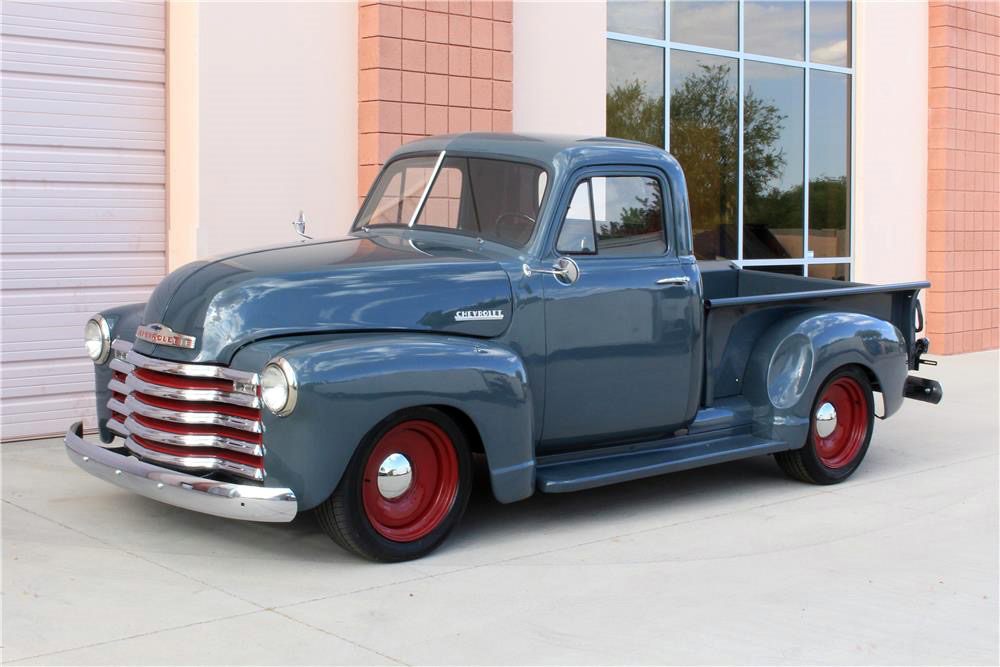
point(349, 383)
point(123, 322)
point(795, 356)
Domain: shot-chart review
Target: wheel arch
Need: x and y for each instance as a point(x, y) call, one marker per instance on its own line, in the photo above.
point(466, 425)
point(795, 355)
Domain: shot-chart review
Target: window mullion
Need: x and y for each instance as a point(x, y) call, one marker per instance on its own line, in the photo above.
point(850, 177)
point(740, 86)
point(806, 104)
point(666, 76)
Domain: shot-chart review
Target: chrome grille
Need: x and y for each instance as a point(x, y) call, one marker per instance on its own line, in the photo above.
point(190, 416)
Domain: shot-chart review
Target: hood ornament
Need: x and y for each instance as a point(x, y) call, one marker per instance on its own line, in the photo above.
point(300, 226)
point(161, 334)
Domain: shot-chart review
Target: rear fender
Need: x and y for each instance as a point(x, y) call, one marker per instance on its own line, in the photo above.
point(795, 356)
point(347, 384)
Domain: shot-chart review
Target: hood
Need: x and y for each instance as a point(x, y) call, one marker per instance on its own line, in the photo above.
point(376, 283)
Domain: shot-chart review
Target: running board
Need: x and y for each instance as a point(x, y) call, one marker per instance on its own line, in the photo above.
point(562, 475)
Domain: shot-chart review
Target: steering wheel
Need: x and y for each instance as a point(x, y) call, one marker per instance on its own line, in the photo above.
point(514, 226)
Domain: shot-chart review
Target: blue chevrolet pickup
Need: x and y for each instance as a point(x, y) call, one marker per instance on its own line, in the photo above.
point(535, 300)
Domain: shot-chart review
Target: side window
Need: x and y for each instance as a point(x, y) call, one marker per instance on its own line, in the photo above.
point(615, 216)
point(628, 212)
point(577, 234)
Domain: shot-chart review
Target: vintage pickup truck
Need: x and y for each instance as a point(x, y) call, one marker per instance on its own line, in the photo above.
point(534, 300)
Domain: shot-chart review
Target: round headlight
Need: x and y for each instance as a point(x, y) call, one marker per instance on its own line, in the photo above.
point(97, 339)
point(278, 387)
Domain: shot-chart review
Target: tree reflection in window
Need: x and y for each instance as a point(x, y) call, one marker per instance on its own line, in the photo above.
point(702, 92)
point(704, 138)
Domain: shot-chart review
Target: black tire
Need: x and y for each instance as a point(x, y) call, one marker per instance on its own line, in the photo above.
point(814, 463)
point(347, 517)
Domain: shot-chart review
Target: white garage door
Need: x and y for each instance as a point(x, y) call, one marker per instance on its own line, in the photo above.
point(83, 227)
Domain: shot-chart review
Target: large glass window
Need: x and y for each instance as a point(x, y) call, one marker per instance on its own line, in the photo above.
point(704, 136)
point(635, 92)
point(754, 99)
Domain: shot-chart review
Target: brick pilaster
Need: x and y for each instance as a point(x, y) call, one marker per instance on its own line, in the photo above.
point(430, 67)
point(963, 199)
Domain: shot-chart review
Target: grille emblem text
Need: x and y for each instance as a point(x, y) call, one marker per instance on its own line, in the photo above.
point(471, 315)
point(160, 334)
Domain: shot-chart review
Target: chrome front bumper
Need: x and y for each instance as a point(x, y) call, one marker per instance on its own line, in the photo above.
point(233, 501)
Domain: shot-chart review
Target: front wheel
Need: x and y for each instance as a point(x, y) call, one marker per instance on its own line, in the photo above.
point(840, 430)
point(404, 490)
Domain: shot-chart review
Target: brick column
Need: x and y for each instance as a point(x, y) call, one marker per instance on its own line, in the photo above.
point(963, 199)
point(434, 67)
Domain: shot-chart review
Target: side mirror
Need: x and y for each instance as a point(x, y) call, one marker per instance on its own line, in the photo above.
point(565, 271)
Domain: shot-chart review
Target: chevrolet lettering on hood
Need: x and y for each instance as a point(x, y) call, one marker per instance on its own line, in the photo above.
point(473, 315)
point(160, 334)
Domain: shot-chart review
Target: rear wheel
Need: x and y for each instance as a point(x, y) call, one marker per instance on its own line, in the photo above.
point(840, 430)
point(405, 489)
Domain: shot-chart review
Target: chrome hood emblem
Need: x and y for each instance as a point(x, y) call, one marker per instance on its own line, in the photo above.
point(160, 334)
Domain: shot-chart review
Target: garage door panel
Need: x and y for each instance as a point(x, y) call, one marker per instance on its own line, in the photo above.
point(50, 383)
point(55, 352)
point(69, 300)
point(43, 351)
point(15, 215)
point(66, 243)
point(63, 329)
point(122, 232)
point(33, 163)
point(85, 22)
point(28, 369)
point(75, 370)
point(82, 205)
point(82, 194)
point(82, 137)
point(19, 85)
point(100, 114)
point(26, 417)
point(96, 196)
point(96, 61)
point(61, 124)
point(147, 277)
point(122, 8)
point(16, 265)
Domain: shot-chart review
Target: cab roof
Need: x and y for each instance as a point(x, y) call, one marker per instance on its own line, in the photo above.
point(546, 148)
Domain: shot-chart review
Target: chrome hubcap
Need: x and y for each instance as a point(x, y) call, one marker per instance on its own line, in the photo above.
point(394, 476)
point(826, 420)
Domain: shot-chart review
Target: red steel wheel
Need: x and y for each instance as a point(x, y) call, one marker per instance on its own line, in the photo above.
point(410, 481)
point(840, 430)
point(840, 423)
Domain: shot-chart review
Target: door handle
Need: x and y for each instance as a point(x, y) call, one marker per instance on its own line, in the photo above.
point(680, 280)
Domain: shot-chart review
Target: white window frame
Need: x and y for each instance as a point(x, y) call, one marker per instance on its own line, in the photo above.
point(741, 56)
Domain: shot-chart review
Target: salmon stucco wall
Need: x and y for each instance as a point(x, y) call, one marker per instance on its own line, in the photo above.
point(963, 198)
point(430, 67)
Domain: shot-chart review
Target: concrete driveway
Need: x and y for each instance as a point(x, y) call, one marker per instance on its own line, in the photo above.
point(733, 564)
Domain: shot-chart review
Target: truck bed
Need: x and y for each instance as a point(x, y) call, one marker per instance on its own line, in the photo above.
point(740, 304)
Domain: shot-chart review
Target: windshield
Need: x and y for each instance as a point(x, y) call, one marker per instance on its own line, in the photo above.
point(495, 200)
